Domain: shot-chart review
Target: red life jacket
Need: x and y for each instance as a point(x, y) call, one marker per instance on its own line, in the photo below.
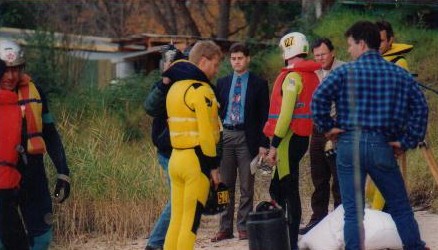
point(10, 133)
point(31, 104)
point(301, 122)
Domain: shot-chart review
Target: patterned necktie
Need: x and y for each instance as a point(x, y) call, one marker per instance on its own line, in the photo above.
point(236, 103)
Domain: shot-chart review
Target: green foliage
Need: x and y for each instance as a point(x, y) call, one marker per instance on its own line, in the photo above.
point(122, 100)
point(17, 14)
point(50, 65)
point(126, 98)
point(267, 63)
point(42, 61)
point(275, 17)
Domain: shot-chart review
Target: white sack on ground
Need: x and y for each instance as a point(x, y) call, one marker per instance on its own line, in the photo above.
point(380, 232)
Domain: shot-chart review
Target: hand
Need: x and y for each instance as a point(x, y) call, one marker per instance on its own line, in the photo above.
point(215, 177)
point(396, 146)
point(166, 80)
point(62, 188)
point(272, 157)
point(263, 152)
point(332, 135)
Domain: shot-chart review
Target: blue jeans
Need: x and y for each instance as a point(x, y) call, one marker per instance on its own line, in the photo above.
point(158, 234)
point(360, 153)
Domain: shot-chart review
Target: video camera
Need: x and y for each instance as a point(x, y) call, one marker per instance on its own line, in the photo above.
point(169, 53)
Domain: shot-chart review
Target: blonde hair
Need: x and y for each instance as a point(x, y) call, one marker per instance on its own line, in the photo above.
point(204, 48)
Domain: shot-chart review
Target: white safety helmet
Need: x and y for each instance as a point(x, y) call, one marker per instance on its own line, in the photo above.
point(294, 44)
point(11, 53)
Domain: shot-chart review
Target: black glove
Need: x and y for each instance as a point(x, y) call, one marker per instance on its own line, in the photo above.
point(62, 188)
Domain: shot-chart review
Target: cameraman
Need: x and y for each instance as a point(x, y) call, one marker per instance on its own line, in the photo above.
point(155, 106)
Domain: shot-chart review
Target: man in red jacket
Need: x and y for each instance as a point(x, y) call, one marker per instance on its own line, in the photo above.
point(12, 233)
point(38, 136)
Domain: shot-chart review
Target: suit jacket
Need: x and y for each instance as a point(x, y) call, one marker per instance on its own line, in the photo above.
point(256, 109)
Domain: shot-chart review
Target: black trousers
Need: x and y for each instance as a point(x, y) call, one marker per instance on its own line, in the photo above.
point(322, 169)
point(286, 191)
point(12, 232)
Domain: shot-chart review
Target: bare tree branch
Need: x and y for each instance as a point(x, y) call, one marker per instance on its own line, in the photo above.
point(224, 18)
point(187, 19)
point(171, 29)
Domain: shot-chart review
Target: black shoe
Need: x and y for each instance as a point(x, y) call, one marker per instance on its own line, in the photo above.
point(153, 248)
point(308, 227)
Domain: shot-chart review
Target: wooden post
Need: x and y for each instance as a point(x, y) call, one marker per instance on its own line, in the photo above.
point(431, 162)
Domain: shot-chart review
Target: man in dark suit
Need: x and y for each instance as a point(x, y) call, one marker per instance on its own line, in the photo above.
point(244, 104)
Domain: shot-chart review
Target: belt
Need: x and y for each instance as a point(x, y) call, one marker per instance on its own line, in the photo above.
point(234, 127)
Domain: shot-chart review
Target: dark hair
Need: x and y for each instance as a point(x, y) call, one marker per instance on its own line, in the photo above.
point(366, 31)
point(386, 26)
point(2, 67)
point(239, 47)
point(318, 42)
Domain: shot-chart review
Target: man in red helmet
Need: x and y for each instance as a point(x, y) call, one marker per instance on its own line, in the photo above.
point(289, 126)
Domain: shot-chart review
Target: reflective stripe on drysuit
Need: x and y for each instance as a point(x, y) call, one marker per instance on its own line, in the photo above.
point(194, 132)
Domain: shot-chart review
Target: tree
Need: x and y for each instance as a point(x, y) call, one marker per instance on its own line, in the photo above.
point(267, 20)
point(313, 9)
point(224, 19)
point(254, 17)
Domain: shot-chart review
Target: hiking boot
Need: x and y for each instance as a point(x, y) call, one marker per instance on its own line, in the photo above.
point(243, 235)
point(308, 227)
point(222, 236)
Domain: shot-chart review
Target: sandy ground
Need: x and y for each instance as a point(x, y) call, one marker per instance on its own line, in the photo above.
point(427, 221)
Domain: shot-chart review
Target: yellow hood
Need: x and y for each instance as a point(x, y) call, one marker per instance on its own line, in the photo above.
point(398, 49)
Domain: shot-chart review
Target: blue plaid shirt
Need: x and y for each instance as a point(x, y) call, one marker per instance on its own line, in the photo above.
point(372, 94)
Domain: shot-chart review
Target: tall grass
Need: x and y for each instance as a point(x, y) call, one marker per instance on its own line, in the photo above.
point(118, 188)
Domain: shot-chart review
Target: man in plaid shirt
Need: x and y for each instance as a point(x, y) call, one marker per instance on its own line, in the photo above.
point(381, 112)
